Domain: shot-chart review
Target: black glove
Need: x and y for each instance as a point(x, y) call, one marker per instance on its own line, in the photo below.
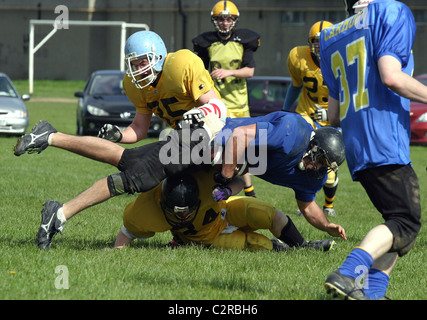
point(110, 132)
point(220, 193)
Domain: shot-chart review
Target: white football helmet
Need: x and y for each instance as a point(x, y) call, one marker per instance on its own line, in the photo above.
point(360, 5)
point(149, 45)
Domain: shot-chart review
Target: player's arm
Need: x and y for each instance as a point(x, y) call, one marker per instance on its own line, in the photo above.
point(317, 219)
point(333, 112)
point(138, 129)
point(291, 96)
point(235, 149)
point(245, 72)
point(122, 240)
point(401, 83)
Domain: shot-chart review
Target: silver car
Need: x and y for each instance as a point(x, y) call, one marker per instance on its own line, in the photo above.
point(13, 112)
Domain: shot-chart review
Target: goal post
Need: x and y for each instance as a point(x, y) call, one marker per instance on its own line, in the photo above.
point(34, 48)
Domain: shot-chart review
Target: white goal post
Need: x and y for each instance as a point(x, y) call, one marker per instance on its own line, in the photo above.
point(33, 49)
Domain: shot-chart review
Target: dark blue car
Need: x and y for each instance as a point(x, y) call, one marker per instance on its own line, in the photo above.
point(104, 101)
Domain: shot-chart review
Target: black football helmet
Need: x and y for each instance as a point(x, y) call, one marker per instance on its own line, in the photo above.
point(326, 147)
point(180, 197)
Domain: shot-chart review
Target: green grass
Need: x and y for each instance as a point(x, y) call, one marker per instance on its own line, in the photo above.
point(147, 271)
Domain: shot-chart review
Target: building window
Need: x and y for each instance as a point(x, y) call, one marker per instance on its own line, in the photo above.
point(292, 17)
point(331, 16)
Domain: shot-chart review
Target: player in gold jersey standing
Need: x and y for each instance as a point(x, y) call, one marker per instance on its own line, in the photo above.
point(304, 68)
point(227, 53)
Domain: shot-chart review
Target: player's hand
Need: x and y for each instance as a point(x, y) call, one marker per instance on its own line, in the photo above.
point(194, 117)
point(321, 114)
point(221, 192)
point(336, 230)
point(110, 132)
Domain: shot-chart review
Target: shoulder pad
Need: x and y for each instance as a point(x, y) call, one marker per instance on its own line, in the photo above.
point(205, 39)
point(246, 37)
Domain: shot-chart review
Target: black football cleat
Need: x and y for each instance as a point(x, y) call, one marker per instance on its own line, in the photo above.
point(346, 287)
point(50, 224)
point(36, 140)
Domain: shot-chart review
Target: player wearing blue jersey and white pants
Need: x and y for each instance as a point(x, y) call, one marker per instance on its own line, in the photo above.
point(367, 65)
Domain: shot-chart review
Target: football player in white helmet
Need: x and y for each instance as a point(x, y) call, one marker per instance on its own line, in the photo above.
point(355, 6)
point(145, 55)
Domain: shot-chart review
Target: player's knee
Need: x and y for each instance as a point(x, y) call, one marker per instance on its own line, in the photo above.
point(115, 184)
point(332, 180)
point(405, 232)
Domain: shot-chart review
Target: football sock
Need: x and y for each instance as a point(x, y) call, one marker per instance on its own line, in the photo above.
point(60, 216)
point(376, 285)
point(357, 261)
point(49, 139)
point(291, 236)
point(250, 191)
point(329, 196)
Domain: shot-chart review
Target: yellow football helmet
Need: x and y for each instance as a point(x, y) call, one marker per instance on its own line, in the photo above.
point(224, 9)
point(314, 36)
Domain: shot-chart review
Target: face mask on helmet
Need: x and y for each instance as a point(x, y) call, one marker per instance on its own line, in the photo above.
point(180, 198)
point(325, 150)
point(145, 54)
point(314, 36)
point(224, 10)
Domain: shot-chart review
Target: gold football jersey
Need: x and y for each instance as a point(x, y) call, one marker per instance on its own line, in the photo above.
point(306, 73)
point(182, 81)
point(233, 90)
point(144, 216)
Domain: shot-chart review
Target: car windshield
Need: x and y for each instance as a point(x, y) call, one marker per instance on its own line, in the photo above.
point(107, 85)
point(6, 89)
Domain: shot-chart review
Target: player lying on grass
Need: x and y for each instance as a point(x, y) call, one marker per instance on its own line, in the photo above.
point(296, 157)
point(184, 205)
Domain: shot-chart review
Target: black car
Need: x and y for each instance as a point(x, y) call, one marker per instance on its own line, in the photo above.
point(267, 94)
point(103, 100)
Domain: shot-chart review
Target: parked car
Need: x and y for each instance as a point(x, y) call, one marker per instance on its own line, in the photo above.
point(13, 112)
point(419, 118)
point(267, 94)
point(104, 101)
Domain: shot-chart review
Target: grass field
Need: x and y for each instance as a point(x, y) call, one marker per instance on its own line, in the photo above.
point(145, 270)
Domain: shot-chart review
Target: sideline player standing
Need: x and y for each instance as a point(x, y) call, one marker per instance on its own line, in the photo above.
point(304, 67)
point(229, 55)
point(367, 65)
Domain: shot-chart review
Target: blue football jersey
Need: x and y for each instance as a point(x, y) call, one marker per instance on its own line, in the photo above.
point(375, 121)
point(281, 141)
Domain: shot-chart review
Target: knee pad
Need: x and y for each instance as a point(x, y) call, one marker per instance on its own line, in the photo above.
point(115, 184)
point(332, 180)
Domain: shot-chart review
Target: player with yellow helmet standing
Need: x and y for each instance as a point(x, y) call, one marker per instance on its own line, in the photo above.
point(227, 53)
point(304, 68)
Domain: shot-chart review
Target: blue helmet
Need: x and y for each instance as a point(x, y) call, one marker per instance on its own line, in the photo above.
point(149, 45)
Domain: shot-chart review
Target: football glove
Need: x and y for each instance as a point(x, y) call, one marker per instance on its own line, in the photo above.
point(194, 117)
point(220, 193)
point(321, 114)
point(110, 132)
